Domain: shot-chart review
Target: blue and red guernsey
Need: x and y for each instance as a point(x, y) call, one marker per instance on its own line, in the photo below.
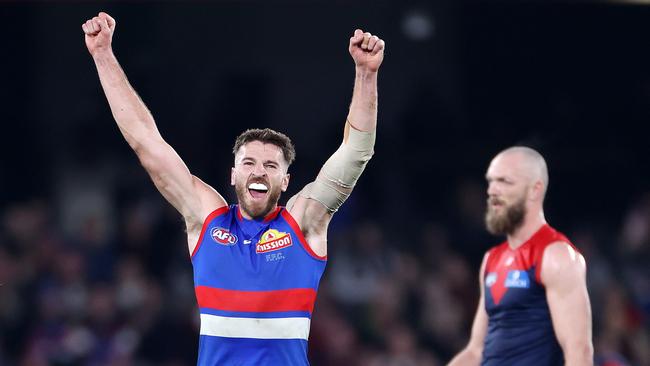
point(256, 284)
point(520, 331)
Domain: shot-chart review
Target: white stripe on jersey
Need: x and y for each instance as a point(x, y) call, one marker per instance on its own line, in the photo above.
point(260, 328)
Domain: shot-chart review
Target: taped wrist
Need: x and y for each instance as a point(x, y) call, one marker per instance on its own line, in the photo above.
point(342, 170)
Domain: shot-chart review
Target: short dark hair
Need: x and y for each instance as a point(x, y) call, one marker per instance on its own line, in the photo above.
point(267, 136)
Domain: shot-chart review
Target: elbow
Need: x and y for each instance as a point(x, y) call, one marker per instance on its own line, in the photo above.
point(588, 354)
point(151, 156)
point(136, 146)
point(146, 145)
point(367, 155)
point(579, 354)
point(468, 356)
point(360, 145)
point(142, 151)
point(359, 155)
point(140, 142)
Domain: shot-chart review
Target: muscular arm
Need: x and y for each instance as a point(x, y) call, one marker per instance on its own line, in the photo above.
point(314, 205)
point(563, 274)
point(472, 353)
point(188, 194)
point(363, 108)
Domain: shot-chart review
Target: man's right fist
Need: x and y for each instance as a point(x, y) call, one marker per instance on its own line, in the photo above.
point(99, 33)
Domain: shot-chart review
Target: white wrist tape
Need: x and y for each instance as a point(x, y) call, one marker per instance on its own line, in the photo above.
point(341, 171)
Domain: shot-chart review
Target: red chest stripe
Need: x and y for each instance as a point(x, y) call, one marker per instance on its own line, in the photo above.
point(502, 259)
point(301, 299)
point(498, 289)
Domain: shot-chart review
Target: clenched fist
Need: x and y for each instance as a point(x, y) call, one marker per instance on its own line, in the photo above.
point(367, 50)
point(99, 33)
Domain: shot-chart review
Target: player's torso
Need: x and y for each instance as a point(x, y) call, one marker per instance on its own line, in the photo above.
point(520, 331)
point(256, 284)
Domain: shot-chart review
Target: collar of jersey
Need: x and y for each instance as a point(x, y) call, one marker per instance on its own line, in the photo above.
point(270, 216)
point(544, 230)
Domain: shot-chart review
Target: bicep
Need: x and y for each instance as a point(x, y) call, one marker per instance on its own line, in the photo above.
point(188, 194)
point(571, 314)
point(563, 274)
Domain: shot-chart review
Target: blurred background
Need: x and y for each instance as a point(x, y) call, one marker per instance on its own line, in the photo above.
point(94, 268)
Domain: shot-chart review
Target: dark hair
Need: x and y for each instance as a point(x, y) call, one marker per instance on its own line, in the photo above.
point(267, 136)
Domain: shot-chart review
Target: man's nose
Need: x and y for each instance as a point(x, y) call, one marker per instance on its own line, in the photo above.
point(259, 170)
point(491, 189)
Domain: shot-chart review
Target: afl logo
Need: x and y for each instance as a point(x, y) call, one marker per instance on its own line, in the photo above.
point(490, 279)
point(223, 236)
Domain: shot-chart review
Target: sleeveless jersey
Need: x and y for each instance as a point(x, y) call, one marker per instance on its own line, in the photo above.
point(520, 331)
point(255, 284)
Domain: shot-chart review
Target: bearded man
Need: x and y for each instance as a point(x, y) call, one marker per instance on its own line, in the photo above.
point(256, 265)
point(534, 307)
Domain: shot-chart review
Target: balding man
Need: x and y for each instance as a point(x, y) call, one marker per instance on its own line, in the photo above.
point(534, 308)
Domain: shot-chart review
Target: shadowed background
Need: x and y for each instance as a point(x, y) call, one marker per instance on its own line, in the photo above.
point(93, 264)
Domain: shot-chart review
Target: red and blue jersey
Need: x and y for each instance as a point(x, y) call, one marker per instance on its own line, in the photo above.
point(520, 330)
point(255, 284)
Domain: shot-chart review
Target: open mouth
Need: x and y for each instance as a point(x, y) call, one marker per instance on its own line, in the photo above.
point(258, 190)
point(495, 203)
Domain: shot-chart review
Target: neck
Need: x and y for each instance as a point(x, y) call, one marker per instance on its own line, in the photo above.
point(532, 223)
point(244, 214)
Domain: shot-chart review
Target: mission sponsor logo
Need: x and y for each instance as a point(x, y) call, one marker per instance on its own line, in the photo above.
point(223, 236)
point(517, 279)
point(273, 240)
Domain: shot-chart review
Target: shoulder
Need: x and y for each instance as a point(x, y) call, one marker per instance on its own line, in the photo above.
point(496, 249)
point(561, 261)
point(208, 217)
point(490, 257)
point(494, 252)
point(560, 254)
point(311, 216)
point(484, 264)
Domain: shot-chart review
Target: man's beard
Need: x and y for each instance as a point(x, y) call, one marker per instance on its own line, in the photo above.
point(507, 222)
point(257, 209)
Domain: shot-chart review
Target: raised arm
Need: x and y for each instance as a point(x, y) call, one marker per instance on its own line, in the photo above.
point(563, 273)
point(367, 51)
point(314, 205)
point(188, 194)
point(472, 353)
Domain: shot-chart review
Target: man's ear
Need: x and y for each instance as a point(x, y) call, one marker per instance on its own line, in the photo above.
point(285, 182)
point(232, 176)
point(537, 191)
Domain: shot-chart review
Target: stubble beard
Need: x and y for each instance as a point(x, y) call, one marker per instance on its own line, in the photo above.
point(256, 209)
point(508, 221)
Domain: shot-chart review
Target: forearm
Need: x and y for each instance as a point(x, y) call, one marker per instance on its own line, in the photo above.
point(132, 116)
point(466, 357)
point(363, 108)
point(341, 171)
